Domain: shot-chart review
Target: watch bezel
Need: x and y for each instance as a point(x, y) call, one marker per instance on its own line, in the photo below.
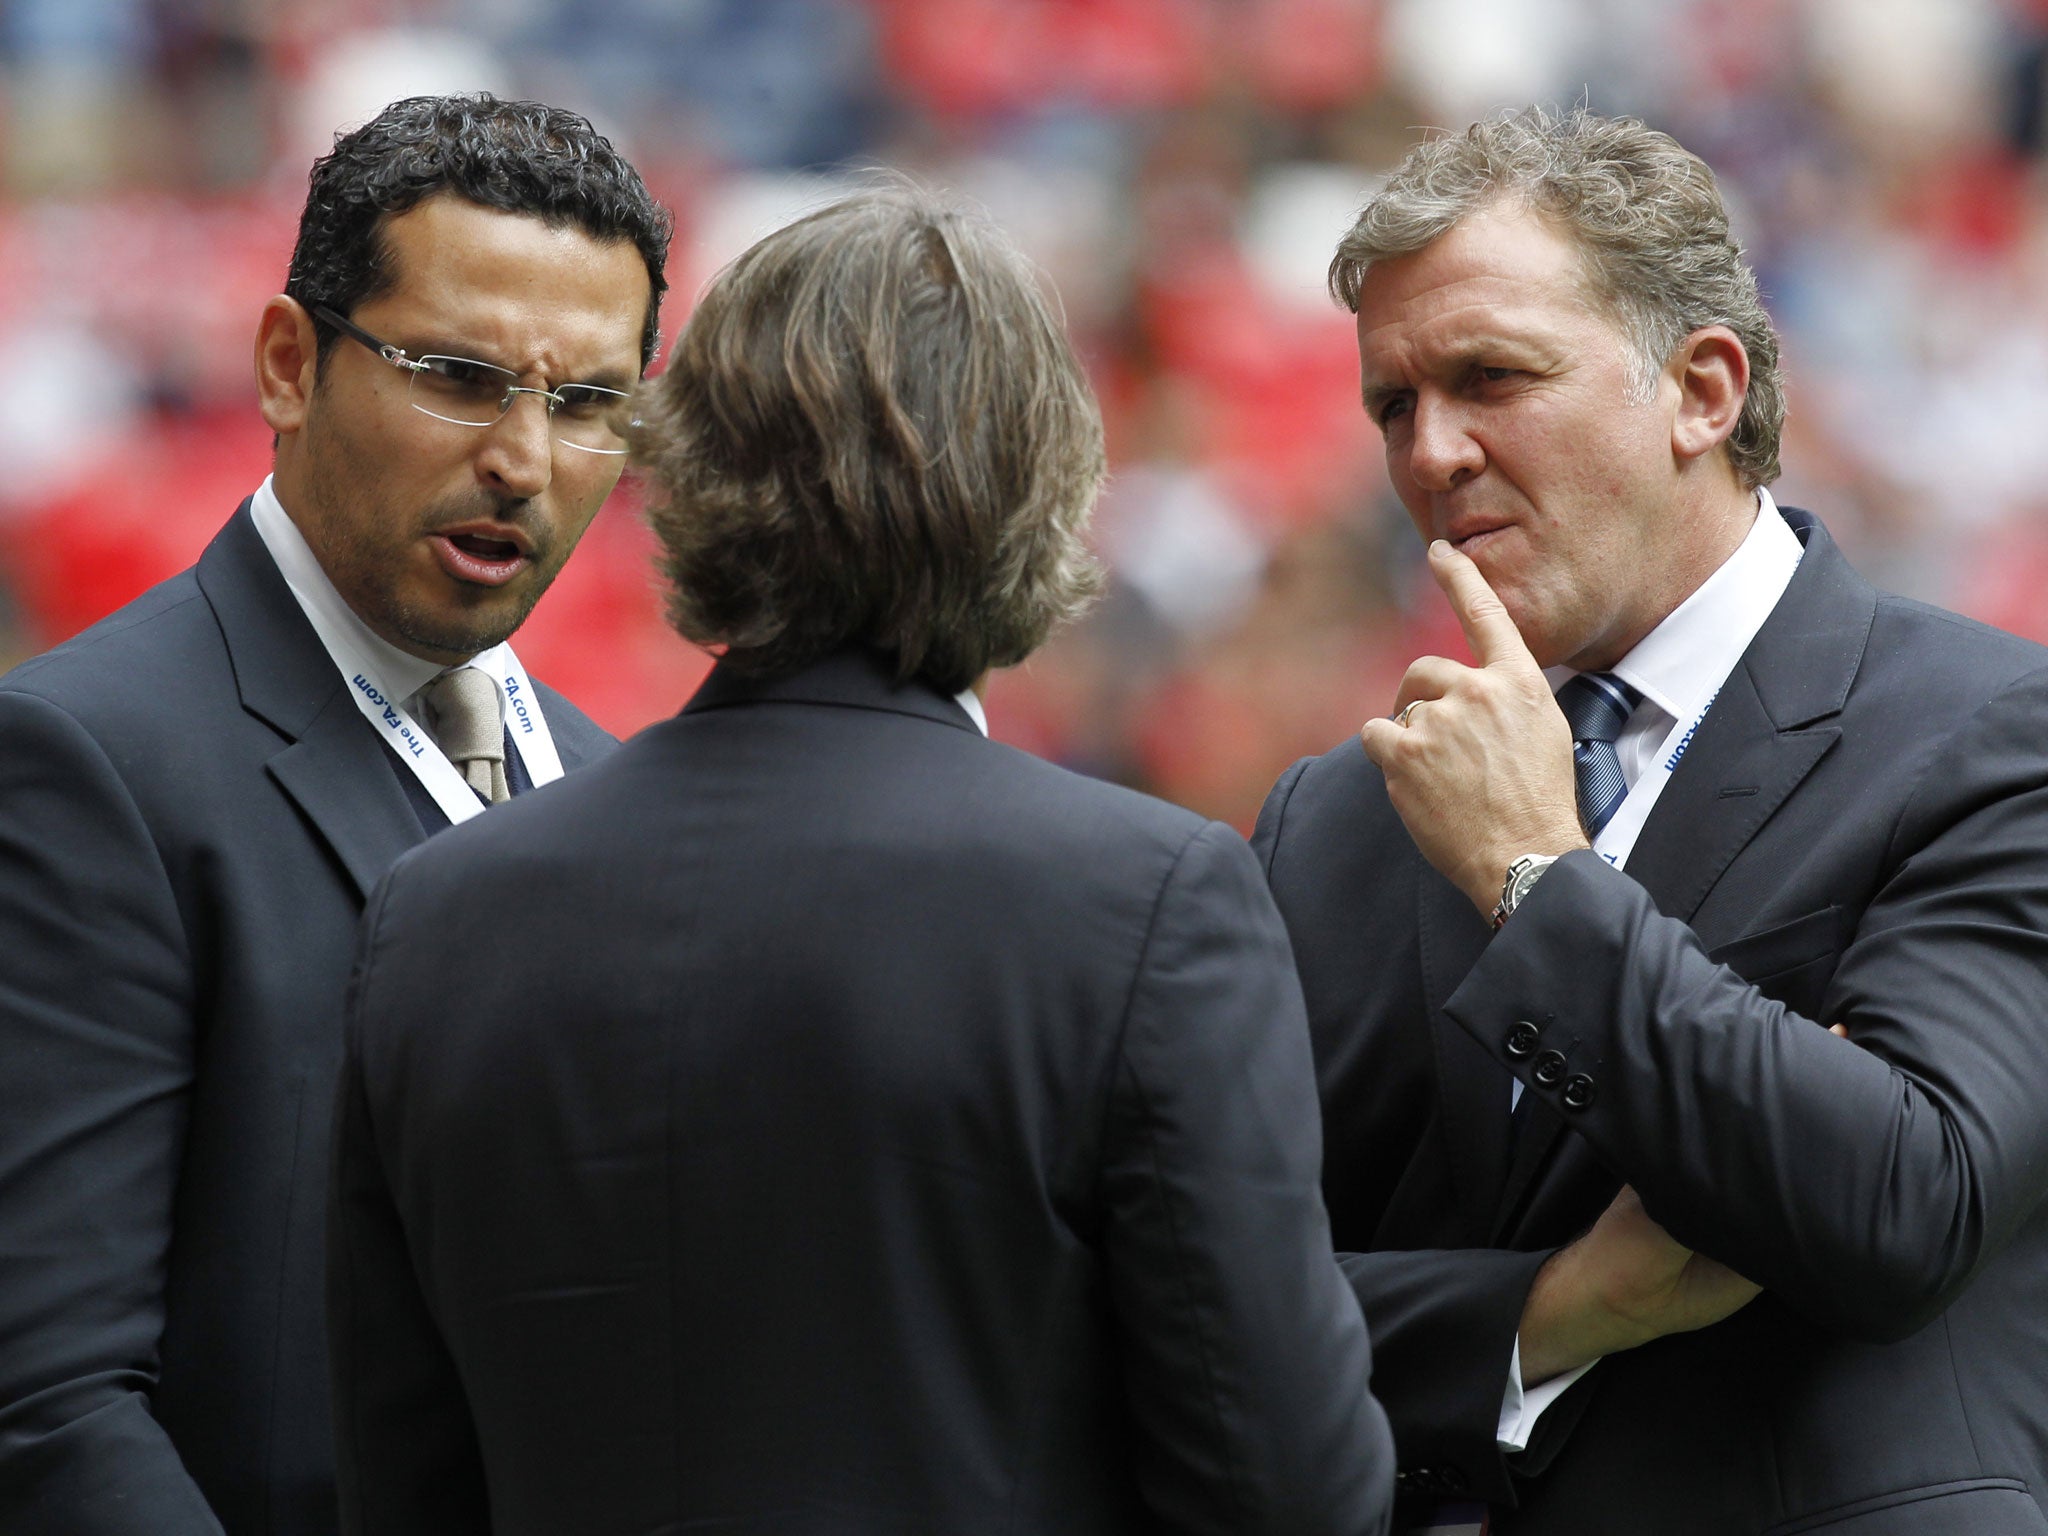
point(1521, 878)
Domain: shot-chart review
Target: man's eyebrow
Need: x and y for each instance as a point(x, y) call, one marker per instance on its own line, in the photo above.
point(434, 345)
point(1476, 350)
point(608, 376)
point(1470, 352)
point(1377, 395)
point(605, 378)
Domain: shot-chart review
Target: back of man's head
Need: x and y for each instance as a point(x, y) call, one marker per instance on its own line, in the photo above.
point(1645, 214)
point(874, 432)
point(518, 156)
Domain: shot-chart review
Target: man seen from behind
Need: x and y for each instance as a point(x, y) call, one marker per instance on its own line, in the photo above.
point(862, 1126)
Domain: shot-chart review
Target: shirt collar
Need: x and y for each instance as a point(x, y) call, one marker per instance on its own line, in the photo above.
point(970, 701)
point(401, 673)
point(1681, 664)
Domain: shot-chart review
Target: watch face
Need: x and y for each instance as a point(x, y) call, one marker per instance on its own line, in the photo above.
point(1525, 880)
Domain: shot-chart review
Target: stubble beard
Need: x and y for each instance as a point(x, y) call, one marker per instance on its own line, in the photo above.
point(372, 573)
point(372, 568)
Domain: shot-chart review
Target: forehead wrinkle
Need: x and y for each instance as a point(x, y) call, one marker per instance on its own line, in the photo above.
point(1426, 357)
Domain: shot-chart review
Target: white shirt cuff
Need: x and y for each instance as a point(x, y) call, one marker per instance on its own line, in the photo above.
point(1520, 1408)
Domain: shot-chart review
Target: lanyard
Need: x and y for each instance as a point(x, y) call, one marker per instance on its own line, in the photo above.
point(1618, 838)
point(406, 737)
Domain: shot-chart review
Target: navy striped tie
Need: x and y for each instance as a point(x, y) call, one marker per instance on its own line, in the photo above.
point(1596, 706)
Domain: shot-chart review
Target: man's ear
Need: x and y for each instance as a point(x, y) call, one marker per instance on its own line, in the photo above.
point(1711, 367)
point(286, 357)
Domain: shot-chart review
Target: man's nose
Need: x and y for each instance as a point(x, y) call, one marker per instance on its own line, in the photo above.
point(1442, 453)
point(518, 454)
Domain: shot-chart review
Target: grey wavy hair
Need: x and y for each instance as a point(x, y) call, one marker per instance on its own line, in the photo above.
point(1648, 221)
point(873, 431)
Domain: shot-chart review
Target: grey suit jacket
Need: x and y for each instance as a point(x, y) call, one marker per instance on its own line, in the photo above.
point(191, 811)
point(1858, 834)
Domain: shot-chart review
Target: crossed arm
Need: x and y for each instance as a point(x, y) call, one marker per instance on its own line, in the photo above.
point(1864, 1183)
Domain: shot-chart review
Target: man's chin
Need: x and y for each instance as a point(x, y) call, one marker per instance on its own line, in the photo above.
point(1536, 635)
point(461, 634)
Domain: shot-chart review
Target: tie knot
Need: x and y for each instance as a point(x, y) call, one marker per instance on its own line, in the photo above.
point(1597, 705)
point(467, 723)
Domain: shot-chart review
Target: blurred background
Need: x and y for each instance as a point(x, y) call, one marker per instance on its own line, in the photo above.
point(1182, 169)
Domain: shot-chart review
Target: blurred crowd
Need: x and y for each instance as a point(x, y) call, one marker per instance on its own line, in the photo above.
point(1182, 169)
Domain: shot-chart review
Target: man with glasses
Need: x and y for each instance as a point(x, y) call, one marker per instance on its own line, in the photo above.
point(196, 793)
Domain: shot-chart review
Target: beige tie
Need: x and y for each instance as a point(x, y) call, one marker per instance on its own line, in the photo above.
point(470, 730)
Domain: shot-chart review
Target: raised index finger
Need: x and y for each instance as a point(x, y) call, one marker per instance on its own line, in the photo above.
point(1488, 629)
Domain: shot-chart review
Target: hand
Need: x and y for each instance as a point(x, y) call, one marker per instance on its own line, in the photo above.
point(1481, 772)
point(1624, 1283)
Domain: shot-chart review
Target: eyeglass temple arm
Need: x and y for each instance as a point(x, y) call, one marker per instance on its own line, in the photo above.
point(349, 328)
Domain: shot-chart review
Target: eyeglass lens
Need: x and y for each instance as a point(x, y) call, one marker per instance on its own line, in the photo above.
point(473, 394)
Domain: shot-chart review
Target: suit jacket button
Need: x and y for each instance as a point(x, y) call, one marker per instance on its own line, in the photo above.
point(1549, 1069)
point(1521, 1040)
point(1579, 1091)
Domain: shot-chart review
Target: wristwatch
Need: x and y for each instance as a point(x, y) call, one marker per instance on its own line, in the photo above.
point(1522, 877)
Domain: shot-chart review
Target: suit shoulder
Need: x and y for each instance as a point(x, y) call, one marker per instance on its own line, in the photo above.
point(573, 729)
point(944, 811)
point(1942, 670)
point(1022, 812)
point(1341, 788)
point(1054, 790)
point(144, 651)
point(1940, 640)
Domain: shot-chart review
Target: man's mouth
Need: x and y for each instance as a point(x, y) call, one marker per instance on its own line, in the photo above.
point(481, 558)
point(1469, 540)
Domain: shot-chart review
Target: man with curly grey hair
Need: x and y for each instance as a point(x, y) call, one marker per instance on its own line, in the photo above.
point(1676, 972)
point(864, 1126)
point(197, 793)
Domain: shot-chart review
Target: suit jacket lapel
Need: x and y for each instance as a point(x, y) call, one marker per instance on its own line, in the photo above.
point(1712, 807)
point(1770, 725)
point(1766, 730)
point(332, 764)
point(337, 775)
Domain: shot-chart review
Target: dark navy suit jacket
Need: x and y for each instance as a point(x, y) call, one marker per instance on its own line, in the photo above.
point(191, 812)
point(1858, 834)
point(855, 1126)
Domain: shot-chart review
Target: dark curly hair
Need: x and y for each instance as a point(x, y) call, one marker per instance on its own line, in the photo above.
point(873, 432)
point(519, 156)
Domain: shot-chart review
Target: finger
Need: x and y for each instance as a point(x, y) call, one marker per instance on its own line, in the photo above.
point(1427, 677)
point(1379, 737)
point(1839, 1030)
point(1488, 629)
